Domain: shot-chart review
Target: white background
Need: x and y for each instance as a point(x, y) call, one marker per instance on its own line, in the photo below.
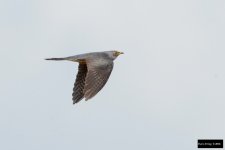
point(165, 92)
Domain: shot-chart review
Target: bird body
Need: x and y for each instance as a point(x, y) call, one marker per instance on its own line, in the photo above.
point(93, 55)
point(93, 72)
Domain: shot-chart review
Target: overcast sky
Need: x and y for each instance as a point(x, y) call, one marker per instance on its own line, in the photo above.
point(165, 92)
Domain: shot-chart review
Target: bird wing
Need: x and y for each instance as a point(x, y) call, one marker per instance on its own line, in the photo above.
point(78, 90)
point(97, 76)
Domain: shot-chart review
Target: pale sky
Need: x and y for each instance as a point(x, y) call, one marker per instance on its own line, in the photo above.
point(165, 92)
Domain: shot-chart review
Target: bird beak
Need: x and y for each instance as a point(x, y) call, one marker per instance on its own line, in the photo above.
point(117, 53)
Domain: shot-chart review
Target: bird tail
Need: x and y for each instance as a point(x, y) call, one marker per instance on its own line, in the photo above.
point(55, 59)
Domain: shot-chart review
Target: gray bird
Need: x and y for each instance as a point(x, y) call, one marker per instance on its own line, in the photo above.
point(93, 72)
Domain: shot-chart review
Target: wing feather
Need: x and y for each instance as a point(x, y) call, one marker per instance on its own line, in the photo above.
point(96, 78)
point(78, 90)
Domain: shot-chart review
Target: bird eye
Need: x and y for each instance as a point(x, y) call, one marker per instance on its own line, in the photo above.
point(116, 53)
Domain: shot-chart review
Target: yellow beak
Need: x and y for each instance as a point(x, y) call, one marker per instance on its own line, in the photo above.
point(117, 53)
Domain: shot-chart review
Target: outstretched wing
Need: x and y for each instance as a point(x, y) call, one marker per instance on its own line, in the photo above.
point(97, 76)
point(78, 90)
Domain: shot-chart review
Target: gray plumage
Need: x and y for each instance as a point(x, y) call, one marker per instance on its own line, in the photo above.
point(93, 72)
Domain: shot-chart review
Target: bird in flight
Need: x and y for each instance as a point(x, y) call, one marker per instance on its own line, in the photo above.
point(93, 72)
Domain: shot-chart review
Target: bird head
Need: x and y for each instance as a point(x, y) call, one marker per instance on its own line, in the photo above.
point(113, 54)
point(117, 53)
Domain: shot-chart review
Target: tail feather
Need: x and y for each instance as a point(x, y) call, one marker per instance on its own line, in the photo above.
point(55, 59)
